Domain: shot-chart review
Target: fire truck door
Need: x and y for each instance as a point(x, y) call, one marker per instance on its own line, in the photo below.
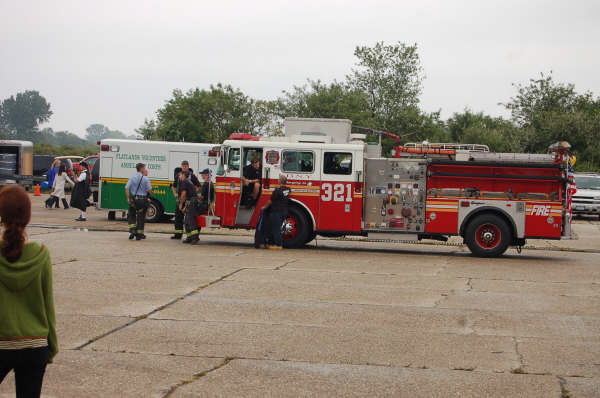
point(246, 205)
point(336, 202)
point(229, 185)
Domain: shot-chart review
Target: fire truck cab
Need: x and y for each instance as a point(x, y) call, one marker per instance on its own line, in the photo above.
point(342, 186)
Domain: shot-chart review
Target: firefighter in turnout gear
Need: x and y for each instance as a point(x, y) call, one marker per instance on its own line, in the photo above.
point(137, 191)
point(189, 204)
point(279, 206)
point(175, 187)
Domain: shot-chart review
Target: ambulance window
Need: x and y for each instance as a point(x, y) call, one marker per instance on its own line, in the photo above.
point(337, 163)
point(233, 162)
point(298, 161)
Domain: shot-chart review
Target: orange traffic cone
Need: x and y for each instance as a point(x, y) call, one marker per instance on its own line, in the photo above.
point(38, 191)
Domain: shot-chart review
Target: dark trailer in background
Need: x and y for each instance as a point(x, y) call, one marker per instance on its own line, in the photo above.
point(16, 163)
point(41, 164)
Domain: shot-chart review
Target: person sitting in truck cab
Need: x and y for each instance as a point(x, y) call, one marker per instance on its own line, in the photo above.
point(251, 180)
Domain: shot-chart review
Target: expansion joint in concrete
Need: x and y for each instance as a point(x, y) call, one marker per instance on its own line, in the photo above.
point(519, 355)
point(285, 264)
point(564, 393)
point(196, 376)
point(162, 307)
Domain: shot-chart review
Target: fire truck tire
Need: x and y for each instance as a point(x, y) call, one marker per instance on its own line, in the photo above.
point(296, 229)
point(488, 235)
point(311, 237)
point(154, 212)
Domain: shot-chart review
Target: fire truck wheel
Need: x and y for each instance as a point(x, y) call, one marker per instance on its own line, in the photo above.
point(311, 237)
point(154, 212)
point(488, 235)
point(295, 229)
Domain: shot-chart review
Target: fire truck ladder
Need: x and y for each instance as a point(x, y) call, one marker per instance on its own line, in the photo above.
point(423, 149)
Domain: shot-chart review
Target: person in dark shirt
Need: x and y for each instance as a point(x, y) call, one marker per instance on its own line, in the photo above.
point(279, 204)
point(178, 223)
point(188, 205)
point(251, 180)
point(207, 192)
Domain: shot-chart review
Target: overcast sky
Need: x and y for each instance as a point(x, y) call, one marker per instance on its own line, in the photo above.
point(115, 62)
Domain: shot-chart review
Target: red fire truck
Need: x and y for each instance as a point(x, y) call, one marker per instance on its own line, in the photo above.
point(342, 186)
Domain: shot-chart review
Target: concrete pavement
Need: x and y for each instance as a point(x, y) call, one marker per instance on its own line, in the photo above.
point(339, 318)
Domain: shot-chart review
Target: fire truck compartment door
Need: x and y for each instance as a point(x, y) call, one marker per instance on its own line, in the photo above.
point(340, 206)
point(175, 159)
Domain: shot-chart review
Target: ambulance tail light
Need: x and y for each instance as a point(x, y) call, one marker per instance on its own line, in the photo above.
point(105, 148)
point(212, 153)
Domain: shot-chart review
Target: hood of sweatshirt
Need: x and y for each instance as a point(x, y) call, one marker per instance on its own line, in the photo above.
point(18, 275)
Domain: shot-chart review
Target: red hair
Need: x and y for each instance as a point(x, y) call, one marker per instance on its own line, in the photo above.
point(15, 212)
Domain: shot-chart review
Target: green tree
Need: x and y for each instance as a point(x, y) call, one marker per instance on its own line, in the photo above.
point(202, 115)
point(391, 77)
point(499, 134)
point(548, 111)
point(96, 132)
point(319, 100)
point(21, 115)
point(147, 130)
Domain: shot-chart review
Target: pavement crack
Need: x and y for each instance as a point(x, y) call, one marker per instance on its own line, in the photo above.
point(564, 393)
point(519, 369)
point(285, 264)
point(469, 284)
point(196, 377)
point(154, 311)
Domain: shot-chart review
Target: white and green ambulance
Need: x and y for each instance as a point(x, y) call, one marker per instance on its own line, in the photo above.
point(117, 164)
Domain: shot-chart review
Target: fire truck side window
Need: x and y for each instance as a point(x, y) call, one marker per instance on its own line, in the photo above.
point(298, 161)
point(337, 163)
point(234, 159)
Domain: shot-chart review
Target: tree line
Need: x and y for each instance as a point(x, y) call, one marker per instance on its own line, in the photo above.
point(22, 114)
point(382, 91)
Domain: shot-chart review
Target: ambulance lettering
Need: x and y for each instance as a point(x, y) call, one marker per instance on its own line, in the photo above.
point(540, 210)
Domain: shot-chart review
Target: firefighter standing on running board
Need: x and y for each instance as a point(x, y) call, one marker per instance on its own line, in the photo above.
point(137, 191)
point(175, 187)
point(189, 205)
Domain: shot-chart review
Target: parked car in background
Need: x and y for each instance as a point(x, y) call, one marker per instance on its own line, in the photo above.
point(587, 198)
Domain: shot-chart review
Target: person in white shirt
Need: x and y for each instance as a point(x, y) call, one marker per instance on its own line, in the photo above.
point(81, 192)
point(58, 187)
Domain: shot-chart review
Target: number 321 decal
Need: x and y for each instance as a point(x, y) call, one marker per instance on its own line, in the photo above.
point(336, 192)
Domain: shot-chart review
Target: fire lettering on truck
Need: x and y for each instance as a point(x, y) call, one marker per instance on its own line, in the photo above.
point(540, 210)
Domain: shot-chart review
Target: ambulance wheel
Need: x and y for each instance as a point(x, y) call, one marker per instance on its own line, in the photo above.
point(111, 216)
point(154, 212)
point(488, 235)
point(295, 229)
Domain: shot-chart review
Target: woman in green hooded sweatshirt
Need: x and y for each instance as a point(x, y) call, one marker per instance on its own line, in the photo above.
point(27, 324)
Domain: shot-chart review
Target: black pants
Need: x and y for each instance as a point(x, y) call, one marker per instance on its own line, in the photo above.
point(179, 216)
point(53, 200)
point(29, 365)
point(191, 212)
point(136, 215)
